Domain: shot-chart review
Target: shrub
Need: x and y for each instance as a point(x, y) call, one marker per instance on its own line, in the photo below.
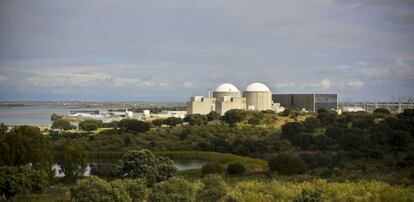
point(95, 189)
point(285, 112)
point(175, 189)
point(255, 121)
point(214, 189)
point(308, 195)
point(134, 125)
point(21, 180)
point(212, 168)
point(62, 125)
point(292, 129)
point(235, 168)
point(196, 119)
point(381, 113)
point(311, 123)
point(145, 165)
point(90, 124)
point(213, 116)
point(137, 189)
point(287, 164)
point(173, 121)
point(233, 116)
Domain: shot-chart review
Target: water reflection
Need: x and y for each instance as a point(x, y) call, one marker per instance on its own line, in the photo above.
point(179, 164)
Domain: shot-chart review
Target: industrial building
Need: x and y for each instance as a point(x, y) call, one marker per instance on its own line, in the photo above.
point(201, 105)
point(307, 102)
point(228, 97)
point(227, 103)
point(393, 107)
point(256, 96)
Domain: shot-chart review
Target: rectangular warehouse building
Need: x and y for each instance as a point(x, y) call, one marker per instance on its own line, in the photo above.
point(309, 102)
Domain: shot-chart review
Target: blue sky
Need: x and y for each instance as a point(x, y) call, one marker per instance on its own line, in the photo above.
point(154, 50)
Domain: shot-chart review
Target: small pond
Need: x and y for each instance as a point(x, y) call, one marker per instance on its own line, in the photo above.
point(179, 164)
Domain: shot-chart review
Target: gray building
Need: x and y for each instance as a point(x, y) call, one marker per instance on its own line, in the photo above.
point(309, 102)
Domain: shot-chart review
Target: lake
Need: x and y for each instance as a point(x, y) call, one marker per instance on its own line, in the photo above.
point(33, 115)
point(179, 164)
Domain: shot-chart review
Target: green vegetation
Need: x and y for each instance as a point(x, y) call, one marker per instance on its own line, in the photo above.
point(62, 125)
point(94, 189)
point(146, 166)
point(73, 162)
point(90, 125)
point(253, 156)
point(235, 169)
point(21, 180)
point(175, 189)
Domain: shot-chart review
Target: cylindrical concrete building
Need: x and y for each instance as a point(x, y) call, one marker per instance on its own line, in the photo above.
point(258, 97)
point(226, 89)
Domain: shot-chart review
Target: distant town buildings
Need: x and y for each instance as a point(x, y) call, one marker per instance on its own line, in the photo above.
point(393, 107)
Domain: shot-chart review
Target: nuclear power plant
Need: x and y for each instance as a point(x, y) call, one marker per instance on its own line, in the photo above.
point(256, 96)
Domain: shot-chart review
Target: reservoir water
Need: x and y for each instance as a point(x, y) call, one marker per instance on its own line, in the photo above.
point(179, 164)
point(33, 115)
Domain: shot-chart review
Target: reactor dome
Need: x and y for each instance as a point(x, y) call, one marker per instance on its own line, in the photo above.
point(257, 87)
point(227, 87)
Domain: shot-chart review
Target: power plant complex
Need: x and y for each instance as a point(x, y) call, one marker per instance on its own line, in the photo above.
point(257, 96)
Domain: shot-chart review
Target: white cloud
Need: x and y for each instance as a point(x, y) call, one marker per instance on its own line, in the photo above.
point(326, 84)
point(355, 84)
point(284, 85)
point(188, 84)
point(401, 70)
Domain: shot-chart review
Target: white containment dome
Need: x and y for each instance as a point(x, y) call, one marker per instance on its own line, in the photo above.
point(257, 87)
point(258, 97)
point(226, 89)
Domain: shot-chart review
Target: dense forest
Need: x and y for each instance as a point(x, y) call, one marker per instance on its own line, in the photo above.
point(251, 156)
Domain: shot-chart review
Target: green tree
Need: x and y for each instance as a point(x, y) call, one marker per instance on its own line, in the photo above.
point(196, 119)
point(381, 113)
point(233, 116)
point(215, 189)
point(292, 129)
point(21, 180)
point(55, 117)
point(173, 121)
point(311, 123)
point(287, 164)
point(25, 145)
point(213, 116)
point(235, 168)
point(73, 162)
point(90, 124)
point(62, 125)
point(135, 126)
point(95, 189)
point(285, 112)
point(175, 189)
point(327, 117)
point(136, 188)
point(147, 166)
point(158, 122)
point(212, 168)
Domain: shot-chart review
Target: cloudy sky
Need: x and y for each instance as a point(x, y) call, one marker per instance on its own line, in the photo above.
point(156, 50)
